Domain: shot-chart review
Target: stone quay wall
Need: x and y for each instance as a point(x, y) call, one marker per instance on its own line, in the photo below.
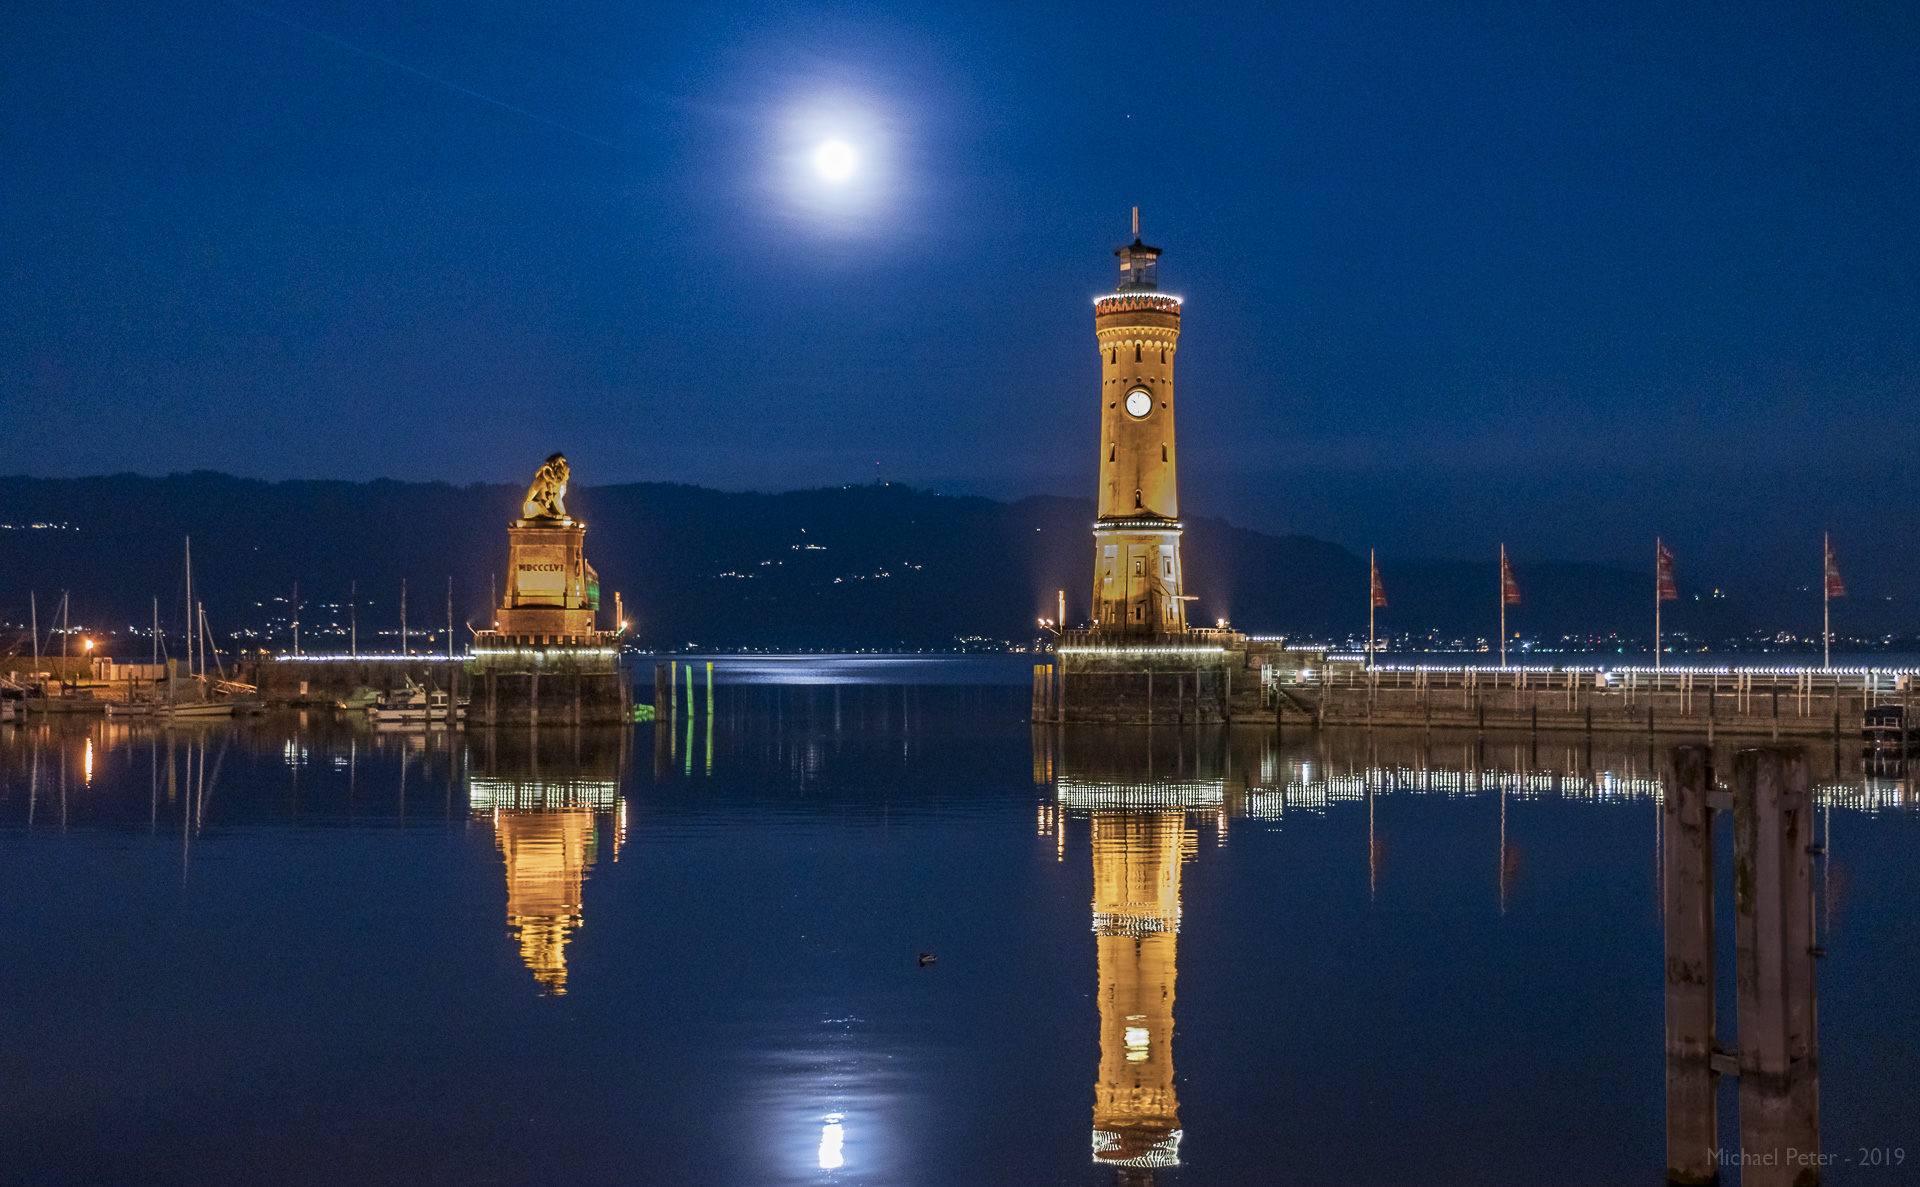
point(1787, 704)
point(1153, 687)
point(323, 681)
point(550, 685)
point(1255, 681)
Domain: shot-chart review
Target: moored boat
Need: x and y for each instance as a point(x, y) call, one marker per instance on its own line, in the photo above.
point(414, 705)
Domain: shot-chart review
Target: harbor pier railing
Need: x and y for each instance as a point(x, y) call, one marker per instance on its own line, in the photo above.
point(1759, 701)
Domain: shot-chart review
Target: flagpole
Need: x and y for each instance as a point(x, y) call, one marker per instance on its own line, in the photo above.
point(1656, 603)
point(1503, 605)
point(1373, 578)
point(1826, 600)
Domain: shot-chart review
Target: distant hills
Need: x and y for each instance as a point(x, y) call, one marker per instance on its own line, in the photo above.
point(880, 566)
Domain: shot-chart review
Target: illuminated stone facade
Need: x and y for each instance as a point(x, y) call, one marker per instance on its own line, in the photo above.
point(1137, 575)
point(553, 594)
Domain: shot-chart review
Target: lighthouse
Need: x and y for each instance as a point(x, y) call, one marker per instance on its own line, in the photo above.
point(1137, 576)
point(1138, 661)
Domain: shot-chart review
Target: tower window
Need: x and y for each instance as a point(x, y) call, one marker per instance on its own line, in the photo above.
point(1163, 354)
point(1136, 352)
point(1136, 500)
point(1112, 450)
point(1139, 566)
point(1163, 452)
point(1114, 356)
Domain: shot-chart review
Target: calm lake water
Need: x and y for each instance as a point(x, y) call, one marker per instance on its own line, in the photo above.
point(290, 949)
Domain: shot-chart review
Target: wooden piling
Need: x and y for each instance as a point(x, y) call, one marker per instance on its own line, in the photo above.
point(1773, 931)
point(1687, 913)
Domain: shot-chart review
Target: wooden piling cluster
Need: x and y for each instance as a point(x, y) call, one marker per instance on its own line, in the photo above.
point(1777, 1054)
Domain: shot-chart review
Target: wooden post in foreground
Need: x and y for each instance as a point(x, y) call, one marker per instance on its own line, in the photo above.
point(1686, 859)
point(1773, 926)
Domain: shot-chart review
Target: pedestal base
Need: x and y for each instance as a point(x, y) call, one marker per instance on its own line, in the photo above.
point(548, 684)
point(1157, 680)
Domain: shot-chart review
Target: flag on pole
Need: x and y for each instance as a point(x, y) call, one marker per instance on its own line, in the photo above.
point(1835, 587)
point(1664, 588)
point(1379, 590)
point(1509, 588)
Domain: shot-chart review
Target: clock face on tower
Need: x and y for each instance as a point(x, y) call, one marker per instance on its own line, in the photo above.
point(1139, 402)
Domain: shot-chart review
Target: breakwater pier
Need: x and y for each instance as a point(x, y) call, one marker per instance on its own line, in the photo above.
point(1232, 678)
point(1768, 702)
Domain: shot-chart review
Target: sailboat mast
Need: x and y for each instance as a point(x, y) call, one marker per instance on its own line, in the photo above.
point(189, 605)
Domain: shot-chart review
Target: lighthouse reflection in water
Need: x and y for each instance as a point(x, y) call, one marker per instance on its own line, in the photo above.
point(1135, 790)
point(553, 798)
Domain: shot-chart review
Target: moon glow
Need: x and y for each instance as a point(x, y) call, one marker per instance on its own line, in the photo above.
point(835, 160)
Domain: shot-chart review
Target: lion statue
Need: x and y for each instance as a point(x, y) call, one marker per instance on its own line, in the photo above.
point(546, 498)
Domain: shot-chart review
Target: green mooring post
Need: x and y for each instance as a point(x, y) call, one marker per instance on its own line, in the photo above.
point(709, 698)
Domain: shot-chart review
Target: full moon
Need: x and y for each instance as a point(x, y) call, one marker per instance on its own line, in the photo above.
point(835, 160)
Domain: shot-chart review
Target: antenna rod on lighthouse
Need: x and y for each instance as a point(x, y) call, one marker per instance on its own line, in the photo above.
point(1136, 222)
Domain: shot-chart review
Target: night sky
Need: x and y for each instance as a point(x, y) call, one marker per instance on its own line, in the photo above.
point(1560, 275)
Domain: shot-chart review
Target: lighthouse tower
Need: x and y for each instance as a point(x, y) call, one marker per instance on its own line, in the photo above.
point(1137, 576)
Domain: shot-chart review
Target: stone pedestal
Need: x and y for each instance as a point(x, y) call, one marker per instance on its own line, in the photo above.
point(545, 662)
point(1178, 678)
point(548, 683)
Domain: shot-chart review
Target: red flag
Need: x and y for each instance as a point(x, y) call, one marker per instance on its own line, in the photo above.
point(1379, 590)
point(1835, 587)
point(1509, 588)
point(1664, 588)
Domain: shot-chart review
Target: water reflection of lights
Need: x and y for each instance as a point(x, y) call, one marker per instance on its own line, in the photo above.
point(832, 1136)
point(89, 756)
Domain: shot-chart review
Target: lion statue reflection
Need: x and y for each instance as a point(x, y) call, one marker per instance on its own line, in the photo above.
point(547, 497)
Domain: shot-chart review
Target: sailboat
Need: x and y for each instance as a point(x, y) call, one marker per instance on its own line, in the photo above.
point(192, 697)
point(69, 697)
